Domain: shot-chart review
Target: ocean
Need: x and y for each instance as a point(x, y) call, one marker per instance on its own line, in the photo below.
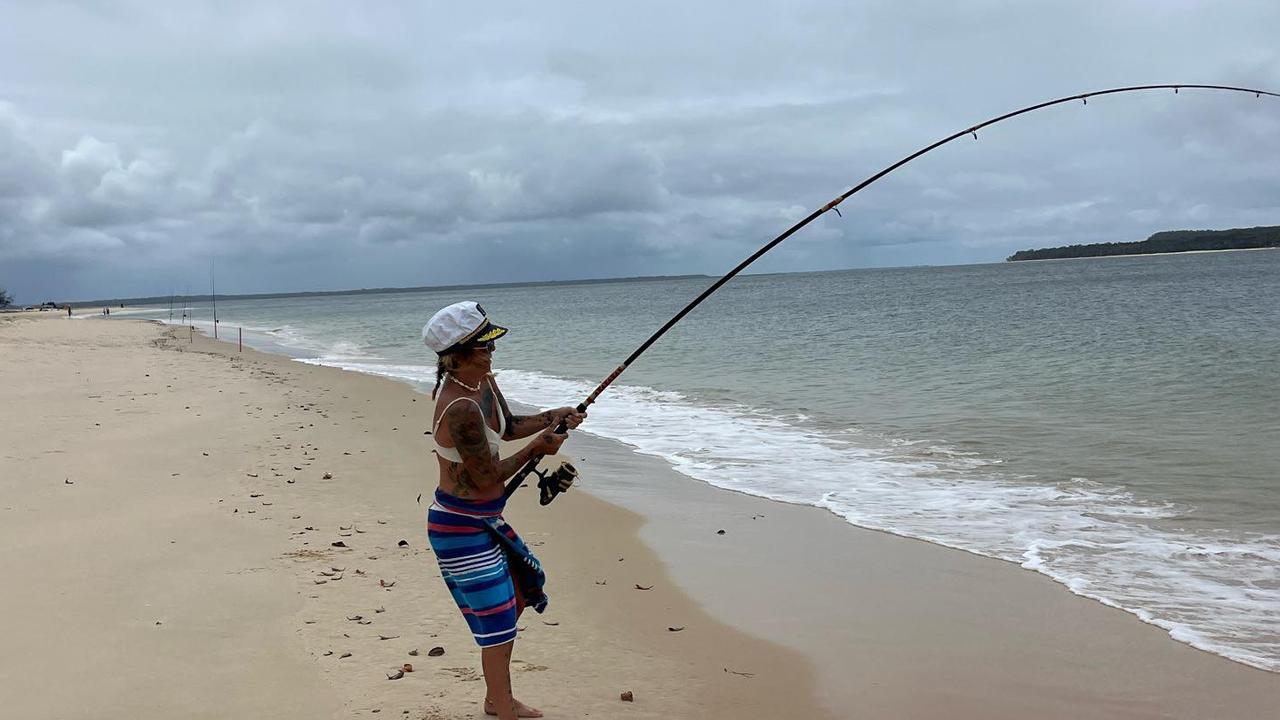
point(1111, 423)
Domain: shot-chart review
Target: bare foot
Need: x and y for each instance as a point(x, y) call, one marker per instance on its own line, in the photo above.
point(522, 710)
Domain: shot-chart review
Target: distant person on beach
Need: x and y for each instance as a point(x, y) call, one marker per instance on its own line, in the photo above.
point(489, 570)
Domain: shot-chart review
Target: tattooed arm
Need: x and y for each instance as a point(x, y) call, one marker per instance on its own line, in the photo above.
point(520, 426)
point(481, 470)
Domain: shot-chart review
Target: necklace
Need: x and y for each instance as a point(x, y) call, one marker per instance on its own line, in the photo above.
point(456, 380)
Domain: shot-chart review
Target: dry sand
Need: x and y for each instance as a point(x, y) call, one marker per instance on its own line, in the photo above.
point(187, 569)
point(165, 582)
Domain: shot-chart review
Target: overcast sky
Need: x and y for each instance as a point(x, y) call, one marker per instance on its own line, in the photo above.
point(328, 146)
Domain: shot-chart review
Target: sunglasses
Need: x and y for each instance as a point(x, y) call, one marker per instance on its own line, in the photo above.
point(484, 346)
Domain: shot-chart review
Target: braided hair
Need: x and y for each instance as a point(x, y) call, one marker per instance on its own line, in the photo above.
point(440, 372)
point(445, 363)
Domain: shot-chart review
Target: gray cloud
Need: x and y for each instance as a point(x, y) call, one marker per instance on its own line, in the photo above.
point(314, 146)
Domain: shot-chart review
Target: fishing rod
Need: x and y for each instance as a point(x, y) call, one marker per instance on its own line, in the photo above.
point(552, 483)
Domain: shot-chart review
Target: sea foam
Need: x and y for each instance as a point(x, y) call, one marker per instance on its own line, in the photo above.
point(1219, 592)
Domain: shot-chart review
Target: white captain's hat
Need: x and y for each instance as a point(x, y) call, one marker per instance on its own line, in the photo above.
point(459, 325)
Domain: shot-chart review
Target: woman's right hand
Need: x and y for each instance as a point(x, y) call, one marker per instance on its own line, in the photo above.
point(549, 442)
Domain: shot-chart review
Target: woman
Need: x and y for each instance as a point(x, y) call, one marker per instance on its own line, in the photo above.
point(488, 569)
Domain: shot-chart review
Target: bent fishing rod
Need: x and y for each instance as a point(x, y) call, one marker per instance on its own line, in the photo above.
point(552, 483)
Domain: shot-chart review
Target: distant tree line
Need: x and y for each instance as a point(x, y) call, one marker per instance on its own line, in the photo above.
point(5, 298)
point(1170, 241)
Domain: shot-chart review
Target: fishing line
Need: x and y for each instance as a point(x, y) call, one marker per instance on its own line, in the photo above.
point(553, 483)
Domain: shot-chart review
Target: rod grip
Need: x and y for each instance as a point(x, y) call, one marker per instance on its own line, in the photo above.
point(518, 479)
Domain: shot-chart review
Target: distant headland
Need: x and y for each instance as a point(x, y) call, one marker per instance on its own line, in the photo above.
point(1170, 241)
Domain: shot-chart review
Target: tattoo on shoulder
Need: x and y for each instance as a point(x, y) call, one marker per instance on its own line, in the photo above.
point(487, 402)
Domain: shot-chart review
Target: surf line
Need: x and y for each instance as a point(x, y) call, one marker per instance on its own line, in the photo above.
point(551, 484)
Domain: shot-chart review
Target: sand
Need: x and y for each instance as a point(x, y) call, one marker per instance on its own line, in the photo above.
point(159, 562)
point(176, 575)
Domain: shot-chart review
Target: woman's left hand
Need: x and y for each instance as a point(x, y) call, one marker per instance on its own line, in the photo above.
point(569, 416)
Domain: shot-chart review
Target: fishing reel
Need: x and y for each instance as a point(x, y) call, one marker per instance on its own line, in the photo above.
point(553, 482)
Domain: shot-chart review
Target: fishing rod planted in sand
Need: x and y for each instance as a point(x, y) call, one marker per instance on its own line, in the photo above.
point(552, 483)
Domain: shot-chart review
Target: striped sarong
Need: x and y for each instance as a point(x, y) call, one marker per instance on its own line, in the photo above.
point(482, 559)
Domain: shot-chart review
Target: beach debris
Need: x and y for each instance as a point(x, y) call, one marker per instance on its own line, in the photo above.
point(385, 584)
point(327, 476)
point(720, 531)
point(353, 618)
point(297, 517)
point(205, 454)
point(643, 587)
point(602, 582)
point(552, 623)
point(290, 481)
point(320, 582)
point(382, 522)
point(337, 569)
point(252, 475)
point(407, 667)
point(255, 495)
point(388, 637)
point(359, 571)
point(413, 652)
point(403, 543)
point(346, 453)
point(327, 653)
point(67, 481)
point(345, 527)
point(297, 467)
point(338, 544)
point(743, 674)
point(627, 696)
point(309, 527)
point(675, 628)
point(380, 609)
point(395, 675)
point(753, 517)
point(436, 651)
point(327, 573)
point(344, 656)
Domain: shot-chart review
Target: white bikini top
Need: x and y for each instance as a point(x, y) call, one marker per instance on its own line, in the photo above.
point(495, 436)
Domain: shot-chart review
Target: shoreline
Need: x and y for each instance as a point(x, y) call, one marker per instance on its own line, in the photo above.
point(892, 626)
